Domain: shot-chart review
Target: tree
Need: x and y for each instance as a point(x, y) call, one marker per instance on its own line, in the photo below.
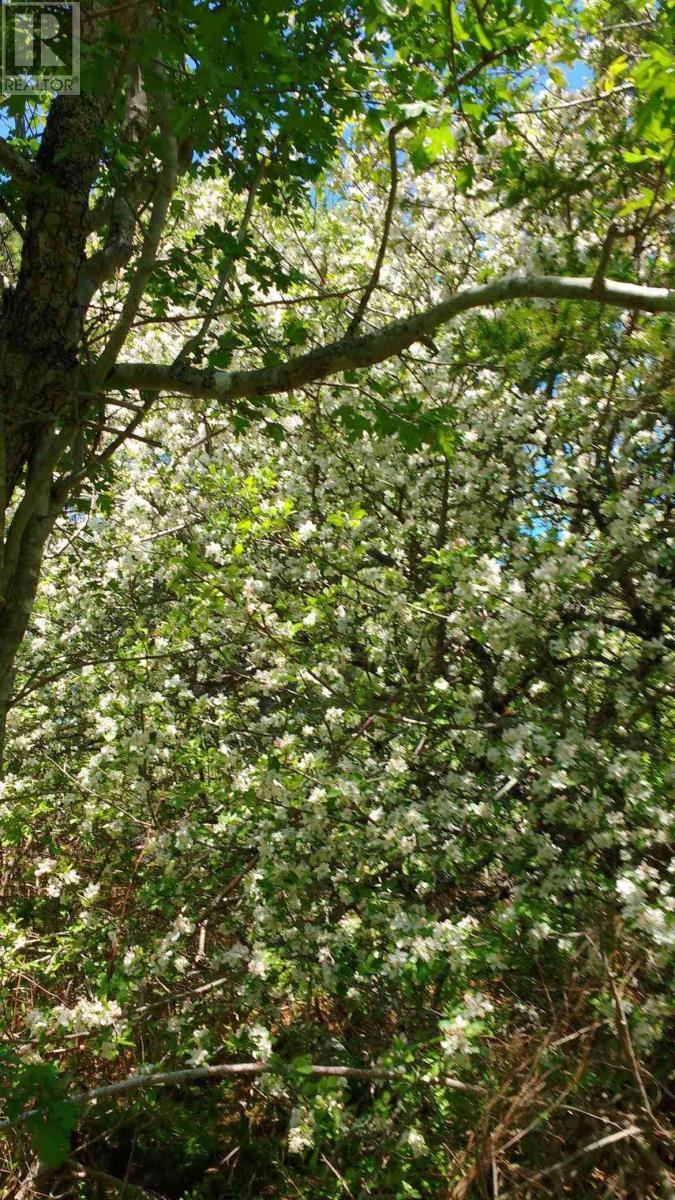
point(334, 828)
point(260, 97)
point(340, 760)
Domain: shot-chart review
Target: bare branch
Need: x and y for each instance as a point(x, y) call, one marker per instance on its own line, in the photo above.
point(633, 1131)
point(138, 187)
point(605, 255)
point(626, 1041)
point(122, 1186)
point(392, 148)
point(580, 103)
point(117, 251)
point(64, 486)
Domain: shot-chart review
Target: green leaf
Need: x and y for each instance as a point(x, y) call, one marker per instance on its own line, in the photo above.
point(481, 36)
point(464, 177)
point(636, 156)
point(302, 1065)
point(448, 440)
point(557, 77)
point(50, 1133)
point(40, 1086)
point(643, 201)
point(459, 32)
point(440, 139)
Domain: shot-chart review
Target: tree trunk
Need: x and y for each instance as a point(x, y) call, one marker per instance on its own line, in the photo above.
point(40, 337)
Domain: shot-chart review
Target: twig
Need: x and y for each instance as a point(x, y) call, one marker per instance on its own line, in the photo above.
point(584, 100)
point(623, 1033)
point(193, 344)
point(386, 228)
point(337, 1175)
point(570, 1037)
point(129, 1190)
point(556, 1168)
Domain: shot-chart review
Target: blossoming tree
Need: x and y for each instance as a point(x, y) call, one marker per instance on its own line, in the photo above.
point(337, 489)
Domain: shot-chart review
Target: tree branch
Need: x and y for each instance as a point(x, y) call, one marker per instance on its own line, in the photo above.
point(351, 353)
point(121, 210)
point(626, 1041)
point(194, 344)
point(583, 101)
point(122, 1186)
point(64, 486)
point(233, 1070)
point(13, 162)
point(113, 256)
point(392, 149)
point(633, 1131)
point(386, 229)
point(603, 263)
point(165, 188)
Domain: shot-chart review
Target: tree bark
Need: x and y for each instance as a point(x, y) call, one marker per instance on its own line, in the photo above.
point(40, 338)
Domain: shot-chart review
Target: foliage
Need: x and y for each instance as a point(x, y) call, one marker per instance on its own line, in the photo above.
point(340, 733)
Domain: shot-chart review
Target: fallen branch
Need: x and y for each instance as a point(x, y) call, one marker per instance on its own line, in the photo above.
point(122, 1186)
point(233, 1070)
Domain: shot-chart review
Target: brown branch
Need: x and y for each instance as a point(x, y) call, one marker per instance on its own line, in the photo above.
point(598, 284)
point(485, 61)
point(64, 486)
point(164, 190)
point(626, 1041)
point(582, 102)
point(386, 228)
point(125, 1189)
